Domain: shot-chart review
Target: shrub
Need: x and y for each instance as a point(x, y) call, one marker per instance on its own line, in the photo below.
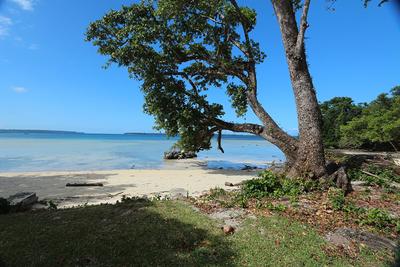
point(216, 193)
point(269, 184)
point(336, 198)
point(378, 218)
point(52, 205)
point(277, 207)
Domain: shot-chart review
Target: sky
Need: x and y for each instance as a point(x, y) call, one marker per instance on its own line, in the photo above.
point(50, 78)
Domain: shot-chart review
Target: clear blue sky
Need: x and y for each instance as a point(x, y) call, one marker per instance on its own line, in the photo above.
point(51, 79)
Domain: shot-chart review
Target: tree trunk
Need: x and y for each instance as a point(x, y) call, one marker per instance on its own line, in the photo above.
point(310, 159)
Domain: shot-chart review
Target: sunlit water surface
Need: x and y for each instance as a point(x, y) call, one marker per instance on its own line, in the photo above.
point(74, 152)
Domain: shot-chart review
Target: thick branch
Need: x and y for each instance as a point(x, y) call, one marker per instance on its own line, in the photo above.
point(288, 146)
point(274, 133)
point(219, 141)
point(303, 27)
point(239, 127)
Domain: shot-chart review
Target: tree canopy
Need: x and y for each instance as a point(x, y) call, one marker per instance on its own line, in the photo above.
point(372, 125)
point(379, 123)
point(337, 112)
point(179, 50)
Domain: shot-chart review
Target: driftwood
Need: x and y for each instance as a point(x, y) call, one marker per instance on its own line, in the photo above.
point(393, 184)
point(22, 201)
point(83, 184)
point(232, 184)
point(370, 174)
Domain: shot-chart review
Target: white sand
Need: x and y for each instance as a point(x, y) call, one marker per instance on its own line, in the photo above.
point(166, 182)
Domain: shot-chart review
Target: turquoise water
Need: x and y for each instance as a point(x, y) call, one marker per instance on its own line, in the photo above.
point(65, 152)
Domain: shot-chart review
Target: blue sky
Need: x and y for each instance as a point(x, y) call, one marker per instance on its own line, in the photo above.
point(50, 78)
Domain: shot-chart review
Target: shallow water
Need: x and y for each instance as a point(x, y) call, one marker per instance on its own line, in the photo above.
point(73, 152)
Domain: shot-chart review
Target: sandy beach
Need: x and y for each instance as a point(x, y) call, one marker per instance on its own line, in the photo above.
point(192, 181)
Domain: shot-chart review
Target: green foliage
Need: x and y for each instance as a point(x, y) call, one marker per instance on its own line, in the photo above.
point(379, 123)
point(52, 205)
point(350, 207)
point(336, 198)
point(372, 125)
point(216, 193)
point(180, 49)
point(276, 207)
point(4, 206)
point(378, 218)
point(337, 112)
point(386, 175)
point(269, 184)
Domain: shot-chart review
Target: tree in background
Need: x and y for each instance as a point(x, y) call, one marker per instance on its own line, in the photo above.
point(378, 124)
point(180, 49)
point(337, 112)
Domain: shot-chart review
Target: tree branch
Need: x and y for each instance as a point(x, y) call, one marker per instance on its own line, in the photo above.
point(274, 133)
point(245, 30)
point(219, 141)
point(303, 27)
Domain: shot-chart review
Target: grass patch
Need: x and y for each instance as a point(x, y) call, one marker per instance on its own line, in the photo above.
point(158, 233)
point(135, 232)
point(279, 241)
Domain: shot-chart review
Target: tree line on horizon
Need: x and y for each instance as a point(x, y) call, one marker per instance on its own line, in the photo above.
point(374, 125)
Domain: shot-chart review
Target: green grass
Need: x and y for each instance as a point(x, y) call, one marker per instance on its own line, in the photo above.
point(157, 233)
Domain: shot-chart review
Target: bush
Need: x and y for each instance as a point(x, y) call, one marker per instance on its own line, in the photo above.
point(336, 198)
point(216, 193)
point(4, 206)
point(378, 218)
point(277, 207)
point(269, 184)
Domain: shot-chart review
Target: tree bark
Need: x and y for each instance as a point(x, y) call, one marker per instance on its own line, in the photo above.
point(310, 159)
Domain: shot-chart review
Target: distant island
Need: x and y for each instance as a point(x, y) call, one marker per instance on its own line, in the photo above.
point(4, 131)
point(144, 134)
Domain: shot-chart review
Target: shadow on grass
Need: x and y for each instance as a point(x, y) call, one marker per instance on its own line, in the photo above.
point(133, 233)
point(396, 262)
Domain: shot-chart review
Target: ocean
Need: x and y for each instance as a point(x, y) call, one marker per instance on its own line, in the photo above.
point(22, 152)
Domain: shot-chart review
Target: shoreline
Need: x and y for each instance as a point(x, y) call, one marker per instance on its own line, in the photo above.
point(51, 185)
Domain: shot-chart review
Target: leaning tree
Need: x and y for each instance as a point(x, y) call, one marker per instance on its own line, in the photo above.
point(180, 49)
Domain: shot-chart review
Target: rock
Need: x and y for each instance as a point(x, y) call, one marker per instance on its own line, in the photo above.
point(338, 239)
point(22, 201)
point(395, 185)
point(344, 237)
point(342, 180)
point(179, 154)
point(231, 217)
point(359, 183)
point(228, 229)
point(83, 184)
point(39, 206)
point(248, 167)
point(236, 184)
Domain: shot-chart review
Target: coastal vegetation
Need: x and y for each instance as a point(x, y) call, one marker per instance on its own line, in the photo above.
point(374, 125)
